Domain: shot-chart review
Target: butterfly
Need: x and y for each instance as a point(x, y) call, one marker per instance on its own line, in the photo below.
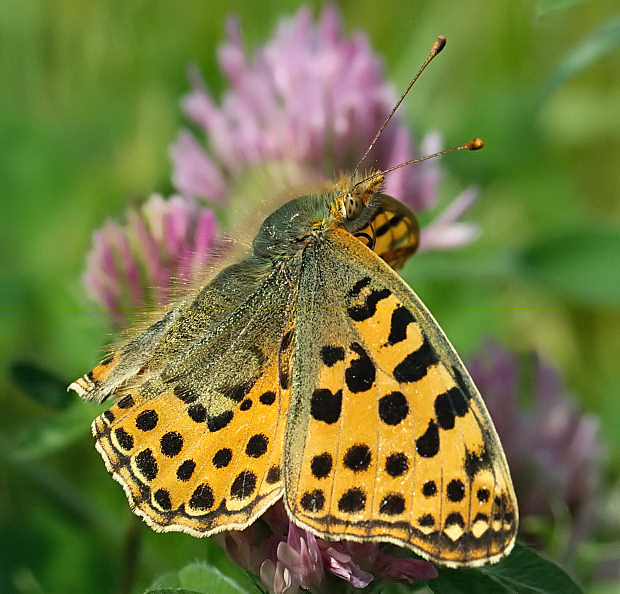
point(309, 372)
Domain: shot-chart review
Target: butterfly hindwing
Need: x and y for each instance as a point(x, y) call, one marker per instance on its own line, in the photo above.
point(198, 447)
point(393, 442)
point(390, 229)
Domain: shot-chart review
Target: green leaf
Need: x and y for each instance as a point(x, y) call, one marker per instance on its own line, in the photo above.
point(602, 41)
point(526, 571)
point(41, 385)
point(522, 572)
point(171, 591)
point(53, 433)
point(546, 6)
point(203, 579)
point(582, 264)
point(460, 581)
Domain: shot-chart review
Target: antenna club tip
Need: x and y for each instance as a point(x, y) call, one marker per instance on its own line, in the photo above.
point(439, 44)
point(475, 144)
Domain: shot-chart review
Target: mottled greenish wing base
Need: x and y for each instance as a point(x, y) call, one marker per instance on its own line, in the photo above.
point(169, 338)
point(431, 474)
point(107, 377)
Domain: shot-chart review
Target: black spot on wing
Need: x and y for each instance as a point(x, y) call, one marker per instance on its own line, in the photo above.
point(448, 406)
point(401, 318)
point(147, 465)
point(454, 518)
point(325, 406)
point(220, 421)
point(162, 498)
point(429, 489)
point(415, 365)
point(197, 413)
point(222, 458)
point(125, 440)
point(147, 420)
point(330, 355)
point(427, 445)
point(186, 470)
point(244, 485)
point(171, 444)
point(357, 457)
point(392, 504)
point(360, 374)
point(476, 461)
point(126, 402)
point(268, 398)
point(481, 518)
point(393, 408)
point(396, 464)
point(257, 445)
point(352, 500)
point(313, 501)
point(273, 475)
point(359, 313)
point(359, 285)
point(483, 495)
point(202, 498)
point(321, 465)
point(455, 490)
point(240, 391)
point(426, 521)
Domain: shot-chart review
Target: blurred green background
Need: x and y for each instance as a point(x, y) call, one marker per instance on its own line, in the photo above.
point(89, 104)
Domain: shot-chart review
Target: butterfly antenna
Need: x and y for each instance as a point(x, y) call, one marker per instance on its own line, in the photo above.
point(472, 145)
point(439, 44)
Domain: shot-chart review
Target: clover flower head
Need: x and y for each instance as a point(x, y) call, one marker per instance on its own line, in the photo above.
point(133, 265)
point(288, 557)
point(554, 451)
point(312, 97)
point(303, 108)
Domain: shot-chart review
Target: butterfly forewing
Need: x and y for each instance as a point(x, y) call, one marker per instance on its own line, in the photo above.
point(394, 443)
point(198, 447)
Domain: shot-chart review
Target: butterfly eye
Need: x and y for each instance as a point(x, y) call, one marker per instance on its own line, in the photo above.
point(352, 206)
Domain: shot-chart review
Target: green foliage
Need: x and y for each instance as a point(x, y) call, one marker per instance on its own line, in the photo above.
point(581, 264)
point(522, 572)
point(41, 385)
point(204, 579)
point(546, 6)
point(595, 46)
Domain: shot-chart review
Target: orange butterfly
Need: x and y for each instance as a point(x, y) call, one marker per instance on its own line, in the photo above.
point(309, 371)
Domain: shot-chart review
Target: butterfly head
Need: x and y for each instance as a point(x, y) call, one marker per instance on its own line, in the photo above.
point(303, 220)
point(353, 195)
